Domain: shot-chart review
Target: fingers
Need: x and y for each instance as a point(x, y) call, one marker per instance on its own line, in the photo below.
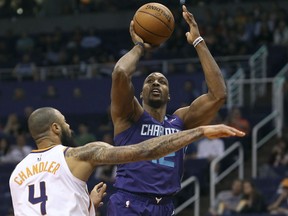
point(97, 186)
point(100, 189)
point(184, 8)
point(133, 34)
point(186, 14)
point(239, 133)
point(235, 131)
point(132, 25)
point(217, 131)
point(230, 131)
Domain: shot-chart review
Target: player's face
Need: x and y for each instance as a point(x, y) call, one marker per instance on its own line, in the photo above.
point(66, 133)
point(66, 137)
point(155, 90)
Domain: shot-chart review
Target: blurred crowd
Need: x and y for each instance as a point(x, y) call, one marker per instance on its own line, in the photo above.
point(34, 8)
point(227, 34)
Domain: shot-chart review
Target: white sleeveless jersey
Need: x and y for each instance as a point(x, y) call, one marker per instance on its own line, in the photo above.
point(42, 184)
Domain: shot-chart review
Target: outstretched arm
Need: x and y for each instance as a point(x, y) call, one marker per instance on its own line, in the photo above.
point(98, 153)
point(203, 109)
point(125, 108)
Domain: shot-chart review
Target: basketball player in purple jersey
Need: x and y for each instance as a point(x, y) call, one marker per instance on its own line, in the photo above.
point(146, 188)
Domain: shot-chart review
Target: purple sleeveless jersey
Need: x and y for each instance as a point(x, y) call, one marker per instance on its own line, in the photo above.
point(161, 176)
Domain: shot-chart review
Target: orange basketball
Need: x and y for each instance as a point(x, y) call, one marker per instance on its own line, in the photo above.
point(154, 23)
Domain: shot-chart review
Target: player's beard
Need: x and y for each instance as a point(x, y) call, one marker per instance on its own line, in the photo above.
point(67, 138)
point(155, 103)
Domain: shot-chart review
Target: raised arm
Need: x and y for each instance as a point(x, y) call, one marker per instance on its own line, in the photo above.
point(125, 108)
point(83, 160)
point(202, 110)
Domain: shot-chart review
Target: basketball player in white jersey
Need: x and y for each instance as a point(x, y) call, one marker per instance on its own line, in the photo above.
point(52, 179)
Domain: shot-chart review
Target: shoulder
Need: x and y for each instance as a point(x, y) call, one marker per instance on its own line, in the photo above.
point(174, 118)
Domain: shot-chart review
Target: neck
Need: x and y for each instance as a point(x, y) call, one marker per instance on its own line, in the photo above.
point(46, 143)
point(156, 113)
point(39, 146)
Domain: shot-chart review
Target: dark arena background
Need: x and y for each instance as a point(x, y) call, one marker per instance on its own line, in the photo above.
point(61, 53)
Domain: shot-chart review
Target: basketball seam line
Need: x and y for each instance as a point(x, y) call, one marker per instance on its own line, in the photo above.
point(158, 19)
point(150, 31)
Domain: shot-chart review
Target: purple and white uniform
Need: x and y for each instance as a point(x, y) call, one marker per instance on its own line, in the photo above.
point(159, 178)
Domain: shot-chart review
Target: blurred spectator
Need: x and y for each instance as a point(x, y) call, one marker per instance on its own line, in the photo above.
point(54, 57)
point(280, 35)
point(90, 40)
point(235, 119)
point(280, 205)
point(227, 201)
point(73, 43)
point(211, 148)
point(79, 68)
point(25, 43)
point(277, 160)
point(191, 152)
point(19, 94)
point(92, 68)
point(24, 120)
point(106, 173)
point(106, 125)
point(27, 111)
point(51, 92)
point(84, 136)
point(210, 37)
point(252, 200)
point(190, 92)
point(57, 38)
point(264, 30)
point(18, 151)
point(51, 8)
point(77, 93)
point(4, 145)
point(108, 138)
point(26, 69)
point(13, 125)
point(190, 69)
point(229, 34)
point(279, 154)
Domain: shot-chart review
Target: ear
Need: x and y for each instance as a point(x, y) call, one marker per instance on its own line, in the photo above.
point(56, 128)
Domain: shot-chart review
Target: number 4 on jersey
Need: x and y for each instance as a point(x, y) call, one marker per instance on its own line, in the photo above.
point(41, 199)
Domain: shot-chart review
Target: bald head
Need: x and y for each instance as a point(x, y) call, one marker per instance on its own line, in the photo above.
point(40, 121)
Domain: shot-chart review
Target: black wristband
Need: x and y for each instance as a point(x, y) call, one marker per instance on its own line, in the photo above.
point(140, 44)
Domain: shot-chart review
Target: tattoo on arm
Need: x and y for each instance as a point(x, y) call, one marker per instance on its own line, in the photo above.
point(102, 153)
